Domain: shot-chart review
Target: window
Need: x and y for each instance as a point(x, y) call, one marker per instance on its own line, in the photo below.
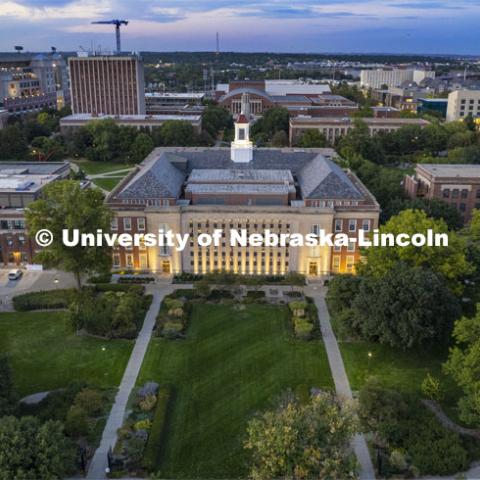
point(116, 260)
point(336, 263)
point(143, 261)
point(337, 248)
point(129, 260)
point(165, 251)
point(455, 193)
point(462, 207)
point(446, 193)
point(338, 224)
point(141, 223)
point(241, 134)
point(464, 193)
point(351, 247)
point(350, 263)
point(127, 223)
point(478, 193)
point(114, 223)
point(316, 229)
point(352, 225)
point(366, 224)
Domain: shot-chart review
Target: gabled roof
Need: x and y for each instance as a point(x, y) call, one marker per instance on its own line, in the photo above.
point(322, 178)
point(160, 179)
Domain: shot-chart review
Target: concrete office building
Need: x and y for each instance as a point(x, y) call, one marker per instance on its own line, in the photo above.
point(72, 122)
point(107, 84)
point(20, 184)
point(462, 103)
point(458, 185)
point(393, 77)
point(335, 127)
point(197, 190)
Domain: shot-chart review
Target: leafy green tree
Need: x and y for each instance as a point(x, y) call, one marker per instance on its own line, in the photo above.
point(312, 139)
point(215, 119)
point(48, 149)
point(176, 133)
point(13, 143)
point(359, 141)
point(7, 395)
point(64, 205)
point(463, 365)
point(405, 308)
point(303, 441)
point(141, 147)
point(449, 262)
point(30, 449)
point(274, 120)
point(279, 139)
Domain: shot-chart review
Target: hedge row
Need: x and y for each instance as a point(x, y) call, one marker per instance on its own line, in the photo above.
point(43, 300)
point(135, 280)
point(118, 287)
point(151, 456)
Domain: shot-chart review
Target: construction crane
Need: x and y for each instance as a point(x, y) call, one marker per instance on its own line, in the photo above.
point(117, 24)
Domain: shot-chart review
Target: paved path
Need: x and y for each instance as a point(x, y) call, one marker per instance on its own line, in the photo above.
point(340, 379)
point(115, 419)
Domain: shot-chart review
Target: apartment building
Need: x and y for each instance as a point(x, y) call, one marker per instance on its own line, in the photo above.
point(107, 84)
point(393, 77)
point(462, 103)
point(458, 185)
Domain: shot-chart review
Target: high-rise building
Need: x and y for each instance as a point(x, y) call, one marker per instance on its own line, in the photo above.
point(107, 84)
point(393, 77)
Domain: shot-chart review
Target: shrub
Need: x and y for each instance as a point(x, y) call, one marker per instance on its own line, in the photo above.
point(136, 280)
point(102, 278)
point(172, 329)
point(43, 300)
point(151, 458)
point(172, 303)
point(298, 308)
point(147, 403)
point(90, 400)
point(142, 425)
point(118, 287)
point(432, 388)
point(149, 388)
point(77, 423)
point(303, 328)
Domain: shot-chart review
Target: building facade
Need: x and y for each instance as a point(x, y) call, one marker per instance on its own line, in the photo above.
point(108, 85)
point(21, 183)
point(335, 127)
point(463, 103)
point(458, 185)
point(393, 77)
point(198, 190)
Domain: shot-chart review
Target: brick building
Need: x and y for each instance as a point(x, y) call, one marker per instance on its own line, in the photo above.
point(458, 185)
point(198, 190)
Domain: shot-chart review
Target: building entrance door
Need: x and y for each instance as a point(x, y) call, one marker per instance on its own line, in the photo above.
point(166, 266)
point(313, 269)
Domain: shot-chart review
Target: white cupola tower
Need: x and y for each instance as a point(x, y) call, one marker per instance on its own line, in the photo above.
point(242, 148)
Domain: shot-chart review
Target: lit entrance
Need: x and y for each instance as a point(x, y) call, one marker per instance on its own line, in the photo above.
point(166, 266)
point(313, 268)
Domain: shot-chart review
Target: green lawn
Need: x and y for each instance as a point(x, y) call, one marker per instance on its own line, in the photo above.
point(107, 183)
point(232, 365)
point(92, 168)
point(45, 353)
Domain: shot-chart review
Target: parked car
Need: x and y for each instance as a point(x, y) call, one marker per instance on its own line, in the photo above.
point(15, 274)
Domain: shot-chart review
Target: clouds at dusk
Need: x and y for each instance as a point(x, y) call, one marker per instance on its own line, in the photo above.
point(421, 26)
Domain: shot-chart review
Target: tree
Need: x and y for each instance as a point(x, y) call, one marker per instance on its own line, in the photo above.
point(13, 143)
point(48, 149)
point(463, 365)
point(65, 205)
point(216, 119)
point(405, 308)
point(449, 262)
point(274, 120)
point(141, 147)
point(7, 396)
point(30, 449)
point(312, 139)
point(359, 141)
point(279, 139)
point(176, 133)
point(303, 441)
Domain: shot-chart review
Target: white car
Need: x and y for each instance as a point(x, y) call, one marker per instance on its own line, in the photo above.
point(15, 274)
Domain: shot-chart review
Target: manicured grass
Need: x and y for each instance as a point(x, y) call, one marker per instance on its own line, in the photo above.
point(92, 168)
point(45, 353)
point(232, 365)
point(107, 183)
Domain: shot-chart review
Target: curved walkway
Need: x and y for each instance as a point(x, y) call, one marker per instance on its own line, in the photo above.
point(340, 379)
point(99, 463)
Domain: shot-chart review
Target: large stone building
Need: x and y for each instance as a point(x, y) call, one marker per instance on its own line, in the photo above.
point(458, 185)
point(197, 190)
point(107, 84)
point(393, 77)
point(335, 127)
point(20, 184)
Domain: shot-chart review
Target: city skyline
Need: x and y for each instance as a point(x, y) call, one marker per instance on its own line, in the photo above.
point(356, 26)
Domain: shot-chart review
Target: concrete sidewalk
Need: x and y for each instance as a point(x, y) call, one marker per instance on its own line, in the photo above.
point(340, 379)
point(115, 419)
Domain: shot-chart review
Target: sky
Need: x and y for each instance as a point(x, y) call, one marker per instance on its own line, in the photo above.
point(321, 26)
